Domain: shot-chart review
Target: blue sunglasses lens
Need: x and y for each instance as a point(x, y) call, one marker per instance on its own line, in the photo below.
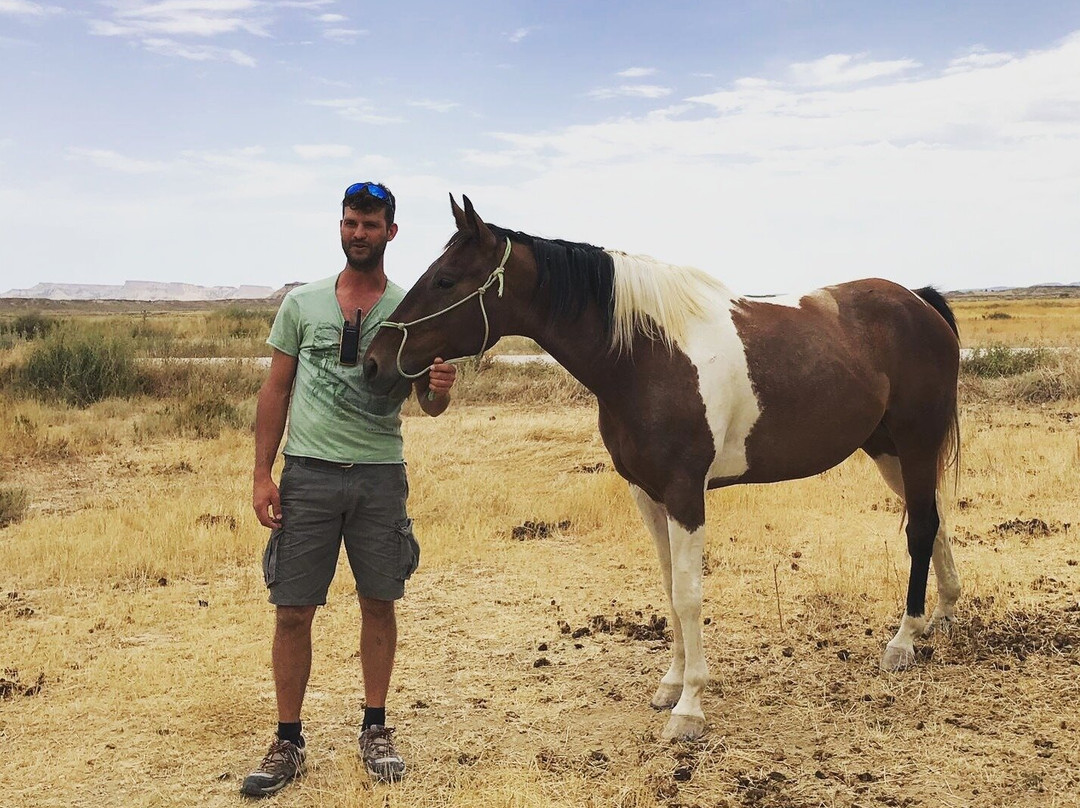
point(375, 190)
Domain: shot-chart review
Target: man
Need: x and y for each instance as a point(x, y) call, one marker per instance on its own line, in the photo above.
point(343, 482)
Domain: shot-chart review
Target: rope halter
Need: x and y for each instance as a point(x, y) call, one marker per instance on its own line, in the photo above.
point(496, 275)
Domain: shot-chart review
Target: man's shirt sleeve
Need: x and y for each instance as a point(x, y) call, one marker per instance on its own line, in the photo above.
point(285, 332)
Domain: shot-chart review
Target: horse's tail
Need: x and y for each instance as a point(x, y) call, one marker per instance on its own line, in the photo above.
point(949, 454)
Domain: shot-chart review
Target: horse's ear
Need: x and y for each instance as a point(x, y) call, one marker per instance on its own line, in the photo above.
point(459, 215)
point(475, 223)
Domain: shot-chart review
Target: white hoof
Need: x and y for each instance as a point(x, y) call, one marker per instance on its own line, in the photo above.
point(666, 697)
point(683, 728)
point(897, 658)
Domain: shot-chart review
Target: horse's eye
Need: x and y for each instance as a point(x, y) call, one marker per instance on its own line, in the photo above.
point(444, 283)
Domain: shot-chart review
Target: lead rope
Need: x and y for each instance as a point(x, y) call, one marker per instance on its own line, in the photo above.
point(496, 275)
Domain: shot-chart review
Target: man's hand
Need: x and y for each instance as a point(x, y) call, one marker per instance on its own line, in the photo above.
point(442, 376)
point(433, 391)
point(266, 499)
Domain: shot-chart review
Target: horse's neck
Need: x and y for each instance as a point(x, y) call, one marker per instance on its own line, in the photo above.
point(583, 348)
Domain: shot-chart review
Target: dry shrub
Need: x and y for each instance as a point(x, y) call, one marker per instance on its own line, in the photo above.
point(1056, 377)
point(13, 505)
point(233, 379)
point(525, 383)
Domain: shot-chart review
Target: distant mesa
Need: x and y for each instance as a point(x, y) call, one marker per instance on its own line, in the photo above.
point(142, 290)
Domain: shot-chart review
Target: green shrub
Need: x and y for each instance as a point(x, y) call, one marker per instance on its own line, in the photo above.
point(31, 325)
point(13, 505)
point(80, 367)
point(999, 361)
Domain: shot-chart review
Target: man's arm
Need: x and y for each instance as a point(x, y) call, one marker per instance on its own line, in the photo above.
point(270, 415)
point(437, 383)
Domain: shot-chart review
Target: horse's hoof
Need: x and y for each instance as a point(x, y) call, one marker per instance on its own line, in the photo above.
point(683, 728)
point(897, 659)
point(666, 697)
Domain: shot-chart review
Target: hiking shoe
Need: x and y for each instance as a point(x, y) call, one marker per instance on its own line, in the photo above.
point(381, 759)
point(282, 763)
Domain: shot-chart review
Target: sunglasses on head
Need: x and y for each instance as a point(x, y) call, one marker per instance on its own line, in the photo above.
point(372, 188)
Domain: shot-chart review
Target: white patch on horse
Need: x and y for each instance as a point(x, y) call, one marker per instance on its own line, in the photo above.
point(731, 405)
point(687, 307)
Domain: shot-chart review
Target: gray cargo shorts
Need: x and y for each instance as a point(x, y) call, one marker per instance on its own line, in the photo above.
point(324, 504)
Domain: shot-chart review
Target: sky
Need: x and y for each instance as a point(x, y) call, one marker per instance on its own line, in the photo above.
point(780, 145)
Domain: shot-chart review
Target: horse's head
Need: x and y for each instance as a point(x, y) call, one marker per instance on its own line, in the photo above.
point(452, 311)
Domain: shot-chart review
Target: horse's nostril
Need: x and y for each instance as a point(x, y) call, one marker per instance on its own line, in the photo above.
point(371, 367)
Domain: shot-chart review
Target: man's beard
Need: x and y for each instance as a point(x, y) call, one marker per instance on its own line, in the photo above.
point(368, 264)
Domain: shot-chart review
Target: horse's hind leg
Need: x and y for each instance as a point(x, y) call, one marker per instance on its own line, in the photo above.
point(656, 520)
point(948, 578)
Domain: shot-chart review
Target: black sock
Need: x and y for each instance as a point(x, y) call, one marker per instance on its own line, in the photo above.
point(374, 716)
point(291, 732)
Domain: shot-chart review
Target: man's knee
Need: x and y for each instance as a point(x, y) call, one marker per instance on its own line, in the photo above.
point(372, 609)
point(294, 619)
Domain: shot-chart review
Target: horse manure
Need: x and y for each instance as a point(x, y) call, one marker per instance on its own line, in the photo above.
point(215, 519)
point(10, 686)
point(538, 530)
point(590, 468)
point(542, 662)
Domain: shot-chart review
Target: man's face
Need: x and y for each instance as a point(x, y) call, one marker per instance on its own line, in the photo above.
point(364, 237)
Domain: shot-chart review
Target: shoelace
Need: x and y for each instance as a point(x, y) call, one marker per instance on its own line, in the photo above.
point(382, 743)
point(278, 755)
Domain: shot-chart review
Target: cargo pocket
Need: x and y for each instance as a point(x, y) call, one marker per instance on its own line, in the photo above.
point(270, 559)
point(409, 549)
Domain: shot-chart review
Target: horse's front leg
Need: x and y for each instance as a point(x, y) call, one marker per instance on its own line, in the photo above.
point(687, 720)
point(656, 520)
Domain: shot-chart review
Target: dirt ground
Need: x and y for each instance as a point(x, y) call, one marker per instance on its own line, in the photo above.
point(525, 669)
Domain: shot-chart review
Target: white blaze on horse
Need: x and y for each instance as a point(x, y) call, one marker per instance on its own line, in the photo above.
point(700, 389)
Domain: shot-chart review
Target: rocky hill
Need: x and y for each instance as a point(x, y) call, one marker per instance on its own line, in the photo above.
point(139, 290)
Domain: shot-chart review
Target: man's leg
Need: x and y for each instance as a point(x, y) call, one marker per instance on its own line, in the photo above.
point(292, 659)
point(292, 666)
point(378, 642)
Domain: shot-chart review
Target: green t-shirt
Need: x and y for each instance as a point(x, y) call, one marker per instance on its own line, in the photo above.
point(333, 415)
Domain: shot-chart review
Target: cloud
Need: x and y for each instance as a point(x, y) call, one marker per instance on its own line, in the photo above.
point(113, 161)
point(344, 35)
point(331, 18)
point(631, 91)
point(201, 18)
point(519, 34)
point(636, 72)
point(966, 177)
point(434, 106)
point(844, 68)
point(25, 8)
point(323, 151)
point(198, 53)
point(361, 110)
point(979, 57)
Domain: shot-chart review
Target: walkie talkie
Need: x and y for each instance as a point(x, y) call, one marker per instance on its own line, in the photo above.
point(350, 341)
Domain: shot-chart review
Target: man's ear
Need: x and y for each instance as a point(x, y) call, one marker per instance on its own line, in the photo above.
point(391, 232)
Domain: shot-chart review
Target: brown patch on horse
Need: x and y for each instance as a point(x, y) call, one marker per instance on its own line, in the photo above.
point(821, 392)
point(658, 435)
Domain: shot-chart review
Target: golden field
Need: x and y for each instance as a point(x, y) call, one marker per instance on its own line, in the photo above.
point(135, 657)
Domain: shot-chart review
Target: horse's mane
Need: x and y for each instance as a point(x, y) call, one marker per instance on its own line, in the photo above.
point(635, 294)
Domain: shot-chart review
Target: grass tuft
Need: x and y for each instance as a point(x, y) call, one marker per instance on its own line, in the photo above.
point(13, 505)
point(80, 367)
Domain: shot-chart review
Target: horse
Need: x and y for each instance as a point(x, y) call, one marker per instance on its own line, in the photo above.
point(699, 389)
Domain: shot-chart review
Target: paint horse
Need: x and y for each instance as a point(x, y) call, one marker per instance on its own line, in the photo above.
point(700, 389)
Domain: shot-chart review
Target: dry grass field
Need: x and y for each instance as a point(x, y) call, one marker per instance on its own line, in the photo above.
point(134, 648)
